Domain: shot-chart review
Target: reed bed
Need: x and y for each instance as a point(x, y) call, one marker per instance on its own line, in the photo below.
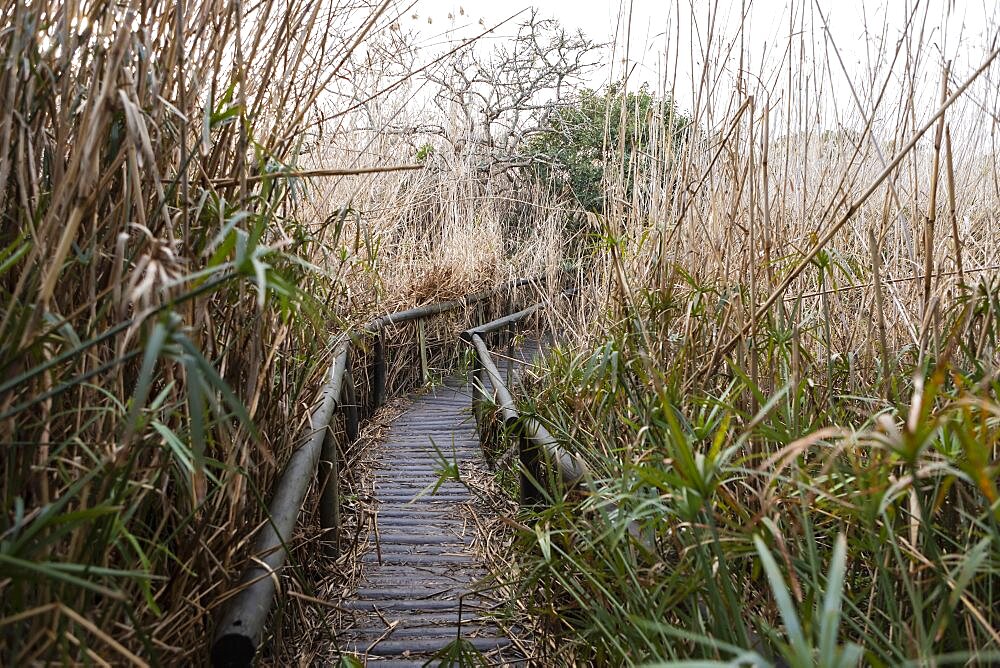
point(782, 371)
point(781, 364)
point(187, 228)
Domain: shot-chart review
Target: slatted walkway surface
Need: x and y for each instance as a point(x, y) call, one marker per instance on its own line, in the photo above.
point(419, 590)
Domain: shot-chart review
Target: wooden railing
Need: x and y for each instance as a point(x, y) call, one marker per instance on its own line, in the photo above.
point(545, 466)
point(242, 622)
point(547, 469)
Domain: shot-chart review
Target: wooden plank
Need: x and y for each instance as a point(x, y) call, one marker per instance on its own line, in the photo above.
point(424, 570)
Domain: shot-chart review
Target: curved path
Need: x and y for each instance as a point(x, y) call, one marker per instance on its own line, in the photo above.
point(423, 587)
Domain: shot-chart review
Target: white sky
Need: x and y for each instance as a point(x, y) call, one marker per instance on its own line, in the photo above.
point(956, 29)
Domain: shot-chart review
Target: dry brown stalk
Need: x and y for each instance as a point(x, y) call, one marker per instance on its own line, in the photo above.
point(890, 281)
point(932, 200)
point(832, 230)
point(877, 284)
point(315, 173)
point(952, 210)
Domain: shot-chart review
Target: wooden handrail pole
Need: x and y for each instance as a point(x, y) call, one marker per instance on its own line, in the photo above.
point(425, 374)
point(242, 622)
point(379, 370)
point(349, 404)
point(329, 504)
point(477, 388)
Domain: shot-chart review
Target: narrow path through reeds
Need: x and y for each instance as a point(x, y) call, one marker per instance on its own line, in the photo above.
point(426, 595)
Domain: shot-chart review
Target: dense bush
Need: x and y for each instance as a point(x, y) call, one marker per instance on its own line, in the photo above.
point(593, 135)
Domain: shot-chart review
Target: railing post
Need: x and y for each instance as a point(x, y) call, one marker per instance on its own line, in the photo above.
point(532, 494)
point(425, 375)
point(477, 388)
point(511, 331)
point(349, 403)
point(379, 371)
point(329, 504)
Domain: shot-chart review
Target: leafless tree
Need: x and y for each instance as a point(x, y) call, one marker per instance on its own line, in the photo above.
point(498, 102)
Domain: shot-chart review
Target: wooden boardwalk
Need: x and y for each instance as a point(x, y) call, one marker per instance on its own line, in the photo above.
point(419, 592)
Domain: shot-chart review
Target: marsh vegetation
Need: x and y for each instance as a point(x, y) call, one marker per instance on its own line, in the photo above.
point(781, 362)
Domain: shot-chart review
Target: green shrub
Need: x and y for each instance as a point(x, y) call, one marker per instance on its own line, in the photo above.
point(597, 132)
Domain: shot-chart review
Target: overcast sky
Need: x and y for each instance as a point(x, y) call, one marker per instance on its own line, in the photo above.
point(952, 29)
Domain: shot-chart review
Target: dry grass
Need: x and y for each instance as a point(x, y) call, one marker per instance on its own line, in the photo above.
point(770, 197)
point(189, 217)
point(179, 248)
point(785, 369)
